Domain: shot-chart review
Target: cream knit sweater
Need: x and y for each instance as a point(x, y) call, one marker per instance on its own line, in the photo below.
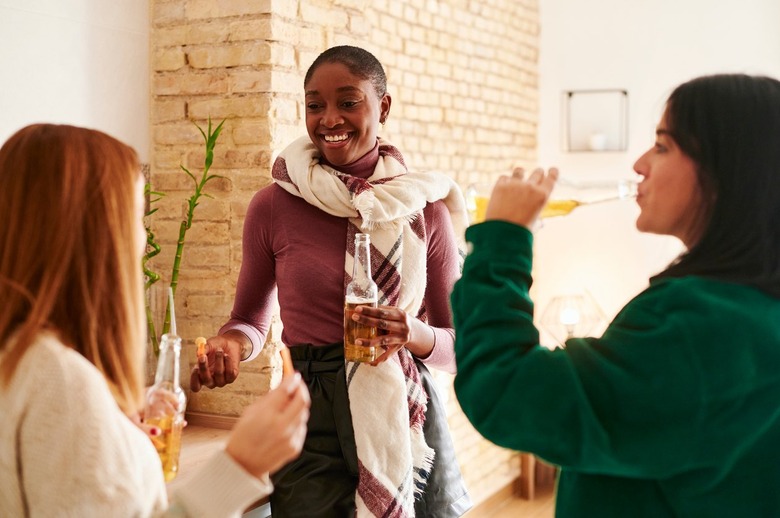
point(66, 449)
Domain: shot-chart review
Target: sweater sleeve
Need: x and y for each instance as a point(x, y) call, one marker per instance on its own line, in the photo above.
point(256, 288)
point(443, 270)
point(220, 488)
point(597, 405)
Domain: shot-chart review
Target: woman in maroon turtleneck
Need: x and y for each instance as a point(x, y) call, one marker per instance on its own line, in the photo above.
point(340, 179)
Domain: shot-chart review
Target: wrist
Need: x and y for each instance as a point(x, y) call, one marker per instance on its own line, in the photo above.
point(423, 340)
point(245, 346)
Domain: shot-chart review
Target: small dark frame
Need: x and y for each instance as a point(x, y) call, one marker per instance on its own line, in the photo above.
point(596, 120)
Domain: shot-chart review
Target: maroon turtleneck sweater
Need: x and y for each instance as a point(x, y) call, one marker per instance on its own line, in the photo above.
point(297, 249)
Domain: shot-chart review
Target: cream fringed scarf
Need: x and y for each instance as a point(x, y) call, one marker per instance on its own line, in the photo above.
point(393, 458)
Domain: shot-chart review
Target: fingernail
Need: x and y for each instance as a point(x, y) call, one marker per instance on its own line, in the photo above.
point(154, 431)
point(358, 342)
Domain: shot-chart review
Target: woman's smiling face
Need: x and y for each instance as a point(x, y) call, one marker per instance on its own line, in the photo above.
point(343, 113)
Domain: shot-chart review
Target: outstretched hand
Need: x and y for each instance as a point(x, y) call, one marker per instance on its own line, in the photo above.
point(218, 366)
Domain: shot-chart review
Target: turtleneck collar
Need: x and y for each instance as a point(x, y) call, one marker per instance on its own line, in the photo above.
point(363, 167)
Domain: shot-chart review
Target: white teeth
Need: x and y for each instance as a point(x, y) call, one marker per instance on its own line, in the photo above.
point(335, 138)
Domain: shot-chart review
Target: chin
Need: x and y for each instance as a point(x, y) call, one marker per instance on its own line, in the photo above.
point(641, 225)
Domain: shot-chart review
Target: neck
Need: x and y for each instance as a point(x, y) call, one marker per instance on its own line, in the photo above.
point(363, 167)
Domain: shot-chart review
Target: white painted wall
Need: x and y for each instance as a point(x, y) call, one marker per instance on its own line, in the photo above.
point(646, 48)
point(81, 62)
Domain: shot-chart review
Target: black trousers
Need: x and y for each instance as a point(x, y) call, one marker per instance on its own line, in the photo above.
point(321, 483)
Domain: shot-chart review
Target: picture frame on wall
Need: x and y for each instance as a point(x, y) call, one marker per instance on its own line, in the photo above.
point(595, 120)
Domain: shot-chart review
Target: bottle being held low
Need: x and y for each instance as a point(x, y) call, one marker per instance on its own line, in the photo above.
point(165, 405)
point(361, 291)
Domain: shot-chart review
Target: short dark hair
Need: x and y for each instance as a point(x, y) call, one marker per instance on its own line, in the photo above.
point(729, 125)
point(360, 62)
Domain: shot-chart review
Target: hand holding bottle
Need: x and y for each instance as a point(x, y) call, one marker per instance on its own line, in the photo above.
point(395, 329)
point(518, 200)
point(165, 406)
point(478, 196)
point(361, 291)
point(160, 402)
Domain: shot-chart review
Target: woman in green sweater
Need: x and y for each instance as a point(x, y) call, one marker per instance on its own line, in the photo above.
point(675, 410)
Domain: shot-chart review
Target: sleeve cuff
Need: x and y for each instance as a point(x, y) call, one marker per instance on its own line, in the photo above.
point(496, 239)
point(251, 333)
point(442, 355)
point(220, 488)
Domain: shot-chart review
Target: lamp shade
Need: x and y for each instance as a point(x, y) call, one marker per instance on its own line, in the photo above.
point(567, 316)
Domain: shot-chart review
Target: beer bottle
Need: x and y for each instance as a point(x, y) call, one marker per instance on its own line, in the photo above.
point(168, 417)
point(361, 291)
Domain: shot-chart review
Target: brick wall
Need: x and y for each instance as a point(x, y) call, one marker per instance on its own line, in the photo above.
point(463, 77)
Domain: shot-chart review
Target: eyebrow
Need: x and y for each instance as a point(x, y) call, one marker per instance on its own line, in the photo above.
point(661, 131)
point(339, 89)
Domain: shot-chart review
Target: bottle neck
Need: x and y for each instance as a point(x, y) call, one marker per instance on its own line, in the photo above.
point(168, 363)
point(361, 270)
point(361, 289)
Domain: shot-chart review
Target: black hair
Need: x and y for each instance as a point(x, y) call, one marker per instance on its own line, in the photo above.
point(360, 62)
point(729, 125)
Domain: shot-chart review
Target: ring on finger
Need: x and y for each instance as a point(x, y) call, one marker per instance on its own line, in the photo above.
point(383, 342)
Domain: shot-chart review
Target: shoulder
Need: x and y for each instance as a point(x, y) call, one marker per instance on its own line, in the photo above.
point(54, 383)
point(274, 197)
point(693, 299)
point(49, 364)
point(682, 291)
point(436, 213)
point(264, 196)
point(265, 204)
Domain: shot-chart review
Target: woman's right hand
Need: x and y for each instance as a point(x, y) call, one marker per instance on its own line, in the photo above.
point(271, 431)
point(519, 200)
point(219, 366)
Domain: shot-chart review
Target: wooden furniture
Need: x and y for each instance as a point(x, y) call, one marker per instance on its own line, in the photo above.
point(534, 474)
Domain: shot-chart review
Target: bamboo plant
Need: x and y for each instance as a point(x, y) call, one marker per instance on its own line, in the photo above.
point(153, 248)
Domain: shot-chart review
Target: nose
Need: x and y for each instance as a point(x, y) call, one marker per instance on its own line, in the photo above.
point(641, 164)
point(331, 118)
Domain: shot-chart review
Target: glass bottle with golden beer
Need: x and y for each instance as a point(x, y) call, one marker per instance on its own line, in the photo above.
point(361, 291)
point(165, 405)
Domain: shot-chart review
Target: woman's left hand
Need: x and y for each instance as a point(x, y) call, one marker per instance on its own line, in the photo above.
point(159, 402)
point(395, 329)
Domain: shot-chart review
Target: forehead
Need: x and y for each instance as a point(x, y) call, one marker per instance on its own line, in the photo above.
point(335, 76)
point(663, 128)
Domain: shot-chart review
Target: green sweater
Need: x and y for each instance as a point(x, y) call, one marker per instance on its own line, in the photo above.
point(674, 411)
